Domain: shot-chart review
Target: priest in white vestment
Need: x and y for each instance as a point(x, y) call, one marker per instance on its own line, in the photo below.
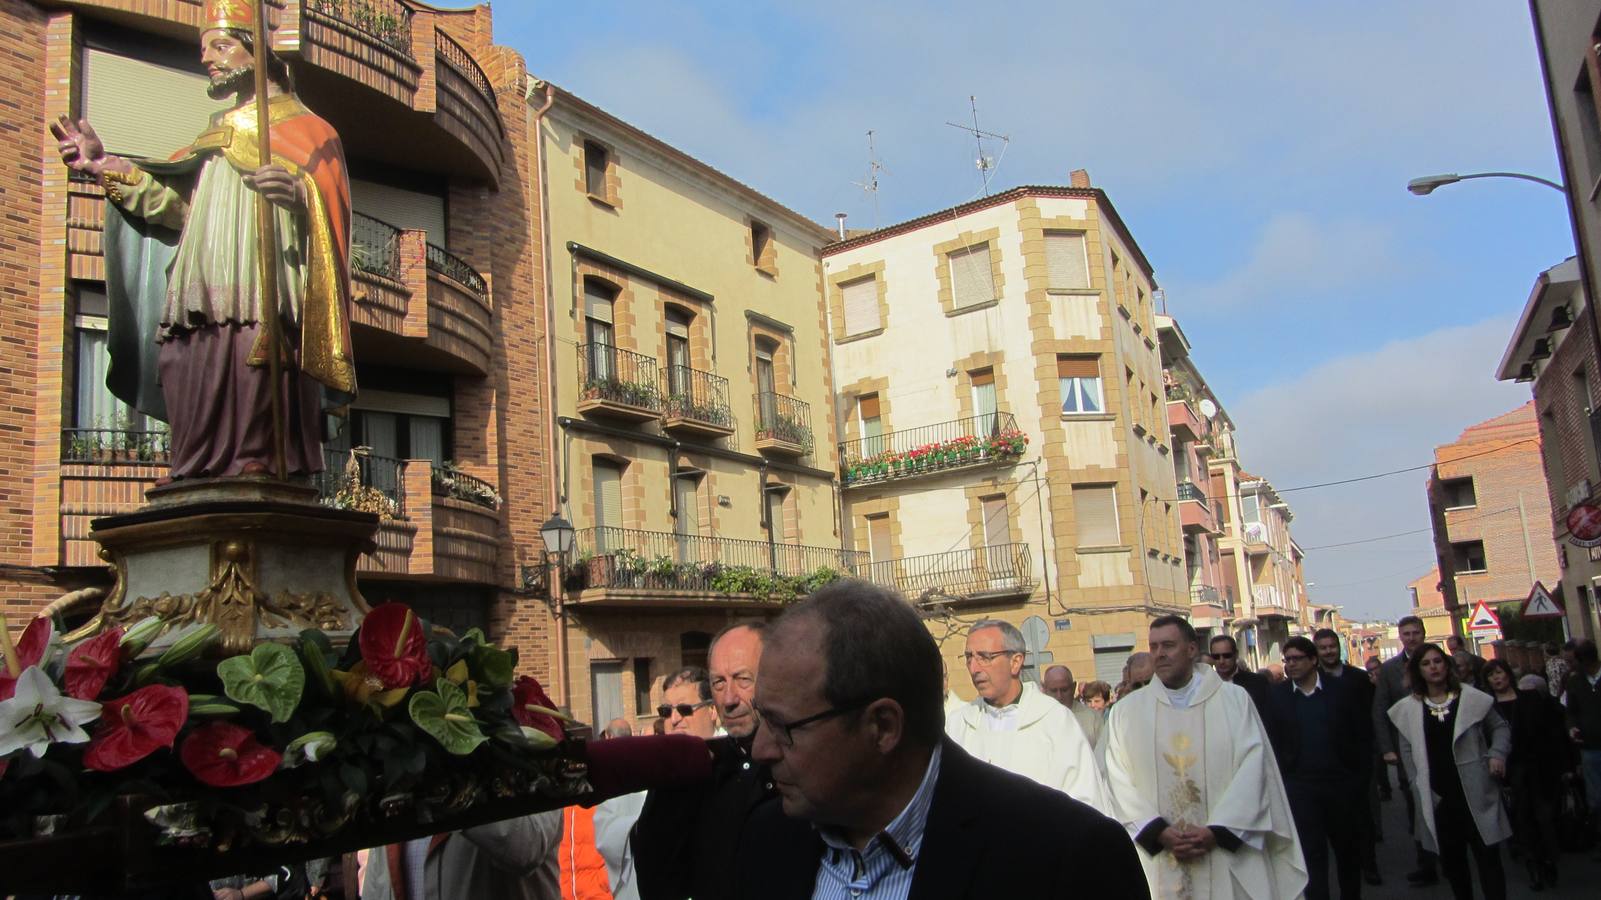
point(1193, 778)
point(1014, 725)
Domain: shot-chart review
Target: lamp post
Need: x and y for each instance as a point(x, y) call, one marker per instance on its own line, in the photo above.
point(558, 534)
point(1425, 185)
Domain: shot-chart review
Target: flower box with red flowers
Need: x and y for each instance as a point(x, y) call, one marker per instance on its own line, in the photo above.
point(121, 770)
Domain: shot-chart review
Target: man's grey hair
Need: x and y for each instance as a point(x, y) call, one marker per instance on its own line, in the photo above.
point(873, 646)
point(1011, 638)
point(1063, 669)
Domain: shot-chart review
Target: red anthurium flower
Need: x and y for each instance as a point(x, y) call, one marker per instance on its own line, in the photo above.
point(526, 692)
point(134, 726)
point(222, 754)
point(91, 664)
point(394, 647)
point(31, 647)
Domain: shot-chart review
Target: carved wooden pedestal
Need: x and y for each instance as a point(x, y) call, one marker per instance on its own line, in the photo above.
point(260, 559)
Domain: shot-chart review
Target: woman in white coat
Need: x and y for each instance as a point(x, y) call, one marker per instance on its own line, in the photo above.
point(1454, 746)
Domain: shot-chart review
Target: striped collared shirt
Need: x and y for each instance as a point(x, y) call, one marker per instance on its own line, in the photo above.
point(884, 870)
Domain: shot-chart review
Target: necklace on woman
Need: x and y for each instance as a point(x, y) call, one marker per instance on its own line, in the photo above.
point(1439, 710)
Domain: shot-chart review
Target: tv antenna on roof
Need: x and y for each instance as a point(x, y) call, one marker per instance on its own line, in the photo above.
point(870, 186)
point(986, 163)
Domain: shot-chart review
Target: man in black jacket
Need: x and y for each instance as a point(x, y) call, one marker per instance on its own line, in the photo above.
point(1225, 656)
point(1360, 686)
point(874, 803)
point(1318, 728)
point(1584, 719)
point(685, 838)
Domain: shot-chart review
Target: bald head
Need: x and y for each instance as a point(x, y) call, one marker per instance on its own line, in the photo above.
point(1141, 668)
point(1058, 682)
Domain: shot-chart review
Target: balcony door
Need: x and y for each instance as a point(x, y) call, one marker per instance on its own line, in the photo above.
point(767, 413)
point(997, 562)
point(687, 525)
point(880, 550)
point(606, 691)
point(985, 422)
point(872, 426)
point(608, 506)
point(600, 331)
point(679, 381)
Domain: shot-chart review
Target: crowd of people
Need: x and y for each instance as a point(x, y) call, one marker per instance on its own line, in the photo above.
point(822, 755)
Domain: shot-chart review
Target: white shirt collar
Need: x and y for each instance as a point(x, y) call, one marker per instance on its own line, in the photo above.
point(1181, 697)
point(1315, 687)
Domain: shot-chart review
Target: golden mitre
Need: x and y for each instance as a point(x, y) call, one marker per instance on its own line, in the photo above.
point(239, 14)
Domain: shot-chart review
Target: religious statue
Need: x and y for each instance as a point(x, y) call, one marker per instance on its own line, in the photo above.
point(189, 259)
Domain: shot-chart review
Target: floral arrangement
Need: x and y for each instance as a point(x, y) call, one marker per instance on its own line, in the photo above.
point(287, 744)
point(958, 451)
point(450, 480)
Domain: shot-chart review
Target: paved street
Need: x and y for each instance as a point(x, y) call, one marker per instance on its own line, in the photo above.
point(1580, 873)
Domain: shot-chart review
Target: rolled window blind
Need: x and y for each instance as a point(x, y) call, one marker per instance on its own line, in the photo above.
point(970, 275)
point(861, 306)
point(1078, 367)
point(1065, 261)
point(117, 100)
point(1095, 508)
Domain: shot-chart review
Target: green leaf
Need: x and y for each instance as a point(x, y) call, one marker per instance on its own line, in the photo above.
point(308, 747)
point(444, 715)
point(314, 650)
point(270, 678)
point(494, 667)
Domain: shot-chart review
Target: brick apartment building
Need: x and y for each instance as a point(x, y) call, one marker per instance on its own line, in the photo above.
point(446, 314)
point(1426, 601)
point(1488, 506)
point(1553, 348)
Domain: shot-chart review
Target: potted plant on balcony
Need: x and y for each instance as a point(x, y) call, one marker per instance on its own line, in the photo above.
point(575, 577)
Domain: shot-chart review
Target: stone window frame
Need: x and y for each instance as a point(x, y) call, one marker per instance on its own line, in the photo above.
point(836, 299)
point(864, 509)
point(784, 376)
point(709, 524)
point(974, 495)
point(700, 344)
point(791, 490)
point(613, 197)
point(615, 452)
point(853, 393)
point(968, 240)
point(995, 362)
point(768, 263)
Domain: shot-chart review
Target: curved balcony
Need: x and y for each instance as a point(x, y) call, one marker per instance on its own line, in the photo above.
point(987, 440)
point(696, 403)
point(630, 567)
point(783, 425)
point(104, 471)
point(617, 383)
point(390, 268)
point(466, 104)
point(369, 41)
point(972, 575)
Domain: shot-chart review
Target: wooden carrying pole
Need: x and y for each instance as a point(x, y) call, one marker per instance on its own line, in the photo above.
point(268, 249)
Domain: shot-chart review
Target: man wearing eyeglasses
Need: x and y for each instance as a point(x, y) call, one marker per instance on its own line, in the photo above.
point(685, 841)
point(1325, 753)
point(873, 802)
point(1015, 725)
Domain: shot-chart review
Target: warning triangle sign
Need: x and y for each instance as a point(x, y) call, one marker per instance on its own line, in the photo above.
point(1483, 618)
point(1541, 605)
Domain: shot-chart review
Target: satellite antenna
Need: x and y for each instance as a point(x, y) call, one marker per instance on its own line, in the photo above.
point(986, 163)
point(870, 186)
point(1208, 408)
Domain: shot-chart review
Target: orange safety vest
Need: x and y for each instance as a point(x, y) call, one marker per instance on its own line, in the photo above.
point(583, 869)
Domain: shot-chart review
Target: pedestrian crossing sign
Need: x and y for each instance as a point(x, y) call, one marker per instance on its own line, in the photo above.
point(1541, 605)
point(1483, 618)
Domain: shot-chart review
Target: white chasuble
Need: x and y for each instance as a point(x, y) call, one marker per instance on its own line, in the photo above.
point(1201, 764)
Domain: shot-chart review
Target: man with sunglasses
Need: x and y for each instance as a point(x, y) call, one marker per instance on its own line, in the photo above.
point(1224, 654)
point(685, 840)
point(874, 802)
point(1015, 725)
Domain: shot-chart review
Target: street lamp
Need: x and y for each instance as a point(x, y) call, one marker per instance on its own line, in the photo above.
point(557, 533)
point(1426, 185)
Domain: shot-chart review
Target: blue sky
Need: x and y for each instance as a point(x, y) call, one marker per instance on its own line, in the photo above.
point(1257, 150)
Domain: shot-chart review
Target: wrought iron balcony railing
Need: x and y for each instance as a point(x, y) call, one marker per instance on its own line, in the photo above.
point(663, 560)
point(614, 375)
point(449, 481)
point(976, 440)
point(357, 481)
point(1206, 595)
point(1189, 490)
point(454, 267)
point(374, 246)
point(783, 419)
point(457, 55)
point(697, 396)
point(997, 570)
point(387, 20)
point(103, 445)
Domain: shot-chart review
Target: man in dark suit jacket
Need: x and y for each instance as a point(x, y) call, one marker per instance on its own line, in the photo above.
point(1225, 657)
point(874, 803)
point(1318, 726)
point(1358, 685)
point(1391, 688)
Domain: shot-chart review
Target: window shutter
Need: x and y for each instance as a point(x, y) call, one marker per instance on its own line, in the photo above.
point(1065, 261)
point(676, 325)
point(867, 404)
point(1078, 367)
point(970, 275)
point(117, 98)
point(595, 168)
point(996, 528)
point(597, 302)
point(608, 495)
point(878, 541)
point(684, 490)
point(1096, 511)
point(406, 210)
point(861, 306)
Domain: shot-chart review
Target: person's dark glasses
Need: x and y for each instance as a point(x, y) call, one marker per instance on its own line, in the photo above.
point(1222, 656)
point(784, 732)
point(684, 710)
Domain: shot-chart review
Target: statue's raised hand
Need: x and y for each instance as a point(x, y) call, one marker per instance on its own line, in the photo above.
point(278, 186)
point(81, 149)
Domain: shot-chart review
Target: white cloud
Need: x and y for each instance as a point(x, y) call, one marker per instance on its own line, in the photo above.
point(1361, 414)
point(1297, 257)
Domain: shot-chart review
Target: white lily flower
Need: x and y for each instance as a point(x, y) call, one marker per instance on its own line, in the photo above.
point(37, 715)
